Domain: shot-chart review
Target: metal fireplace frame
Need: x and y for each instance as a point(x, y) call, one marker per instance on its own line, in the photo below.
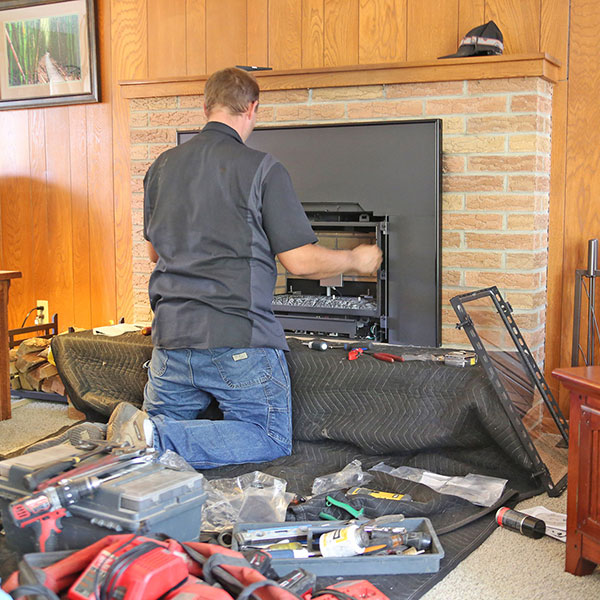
point(390, 171)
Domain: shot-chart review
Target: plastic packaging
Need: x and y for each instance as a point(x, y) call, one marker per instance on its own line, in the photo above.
point(478, 489)
point(175, 461)
point(351, 475)
point(251, 497)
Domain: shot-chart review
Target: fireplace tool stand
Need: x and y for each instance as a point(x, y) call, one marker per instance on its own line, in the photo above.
point(593, 335)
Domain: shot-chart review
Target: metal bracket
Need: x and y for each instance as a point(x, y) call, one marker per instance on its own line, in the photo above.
point(467, 321)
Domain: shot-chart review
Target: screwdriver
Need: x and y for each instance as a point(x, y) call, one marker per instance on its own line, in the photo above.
point(320, 345)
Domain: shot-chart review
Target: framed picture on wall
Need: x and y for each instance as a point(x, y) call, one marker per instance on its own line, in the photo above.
point(47, 53)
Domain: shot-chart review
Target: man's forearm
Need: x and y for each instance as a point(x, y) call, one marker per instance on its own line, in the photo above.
point(317, 262)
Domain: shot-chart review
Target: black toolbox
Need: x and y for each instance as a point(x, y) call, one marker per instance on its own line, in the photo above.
point(149, 500)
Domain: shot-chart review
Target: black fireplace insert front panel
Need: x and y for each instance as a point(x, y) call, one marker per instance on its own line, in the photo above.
point(384, 176)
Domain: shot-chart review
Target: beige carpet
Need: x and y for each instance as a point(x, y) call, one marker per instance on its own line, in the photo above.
point(32, 420)
point(509, 566)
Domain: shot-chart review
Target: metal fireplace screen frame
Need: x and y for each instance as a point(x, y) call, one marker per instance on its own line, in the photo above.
point(519, 383)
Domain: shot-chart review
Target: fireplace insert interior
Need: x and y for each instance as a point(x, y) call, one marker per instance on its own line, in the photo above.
point(376, 182)
point(348, 306)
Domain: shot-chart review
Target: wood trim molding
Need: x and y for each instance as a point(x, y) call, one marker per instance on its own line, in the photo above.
point(452, 69)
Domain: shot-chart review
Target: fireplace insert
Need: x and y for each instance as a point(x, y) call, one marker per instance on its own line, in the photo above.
point(377, 182)
point(349, 306)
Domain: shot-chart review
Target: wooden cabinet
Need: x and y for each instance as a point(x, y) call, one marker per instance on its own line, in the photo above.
point(583, 491)
point(5, 277)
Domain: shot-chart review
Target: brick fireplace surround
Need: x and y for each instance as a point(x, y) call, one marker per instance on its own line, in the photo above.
point(496, 162)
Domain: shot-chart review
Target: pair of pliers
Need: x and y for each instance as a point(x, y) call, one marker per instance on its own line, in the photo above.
point(384, 356)
point(349, 509)
point(355, 353)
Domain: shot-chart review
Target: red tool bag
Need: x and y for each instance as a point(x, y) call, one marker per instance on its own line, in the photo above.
point(138, 568)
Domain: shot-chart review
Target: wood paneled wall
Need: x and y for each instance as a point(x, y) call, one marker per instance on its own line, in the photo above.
point(56, 204)
point(192, 37)
point(64, 184)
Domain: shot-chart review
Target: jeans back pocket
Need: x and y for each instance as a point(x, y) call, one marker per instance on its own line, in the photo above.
point(158, 362)
point(243, 367)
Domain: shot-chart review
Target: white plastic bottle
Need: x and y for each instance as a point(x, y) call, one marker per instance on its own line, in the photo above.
point(348, 541)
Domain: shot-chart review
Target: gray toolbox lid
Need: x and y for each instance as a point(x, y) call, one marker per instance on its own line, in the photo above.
point(142, 494)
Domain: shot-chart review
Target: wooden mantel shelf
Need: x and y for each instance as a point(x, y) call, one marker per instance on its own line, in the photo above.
point(452, 69)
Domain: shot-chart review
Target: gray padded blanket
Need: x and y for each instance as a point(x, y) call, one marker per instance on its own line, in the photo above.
point(422, 414)
point(100, 371)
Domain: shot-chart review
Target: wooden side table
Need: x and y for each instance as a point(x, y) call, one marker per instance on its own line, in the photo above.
point(5, 277)
point(583, 491)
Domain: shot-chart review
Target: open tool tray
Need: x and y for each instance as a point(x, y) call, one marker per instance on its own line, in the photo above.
point(377, 564)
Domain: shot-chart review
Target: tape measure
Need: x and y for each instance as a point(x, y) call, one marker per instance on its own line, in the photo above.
point(460, 358)
point(362, 491)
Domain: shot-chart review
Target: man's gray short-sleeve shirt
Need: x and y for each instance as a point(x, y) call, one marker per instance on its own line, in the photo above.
point(216, 213)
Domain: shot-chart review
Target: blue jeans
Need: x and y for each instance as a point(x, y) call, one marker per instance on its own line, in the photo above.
point(252, 388)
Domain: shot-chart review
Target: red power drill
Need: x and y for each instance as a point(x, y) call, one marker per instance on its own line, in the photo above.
point(44, 510)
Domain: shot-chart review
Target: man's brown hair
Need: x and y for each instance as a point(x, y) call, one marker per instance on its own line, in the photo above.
point(231, 88)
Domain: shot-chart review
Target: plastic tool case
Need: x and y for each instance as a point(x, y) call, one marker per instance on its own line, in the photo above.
point(376, 564)
point(152, 499)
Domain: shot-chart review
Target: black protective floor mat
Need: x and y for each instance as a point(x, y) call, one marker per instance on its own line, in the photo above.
point(423, 414)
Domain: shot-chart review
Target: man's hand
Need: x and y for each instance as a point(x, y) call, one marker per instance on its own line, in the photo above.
point(317, 262)
point(151, 252)
point(366, 259)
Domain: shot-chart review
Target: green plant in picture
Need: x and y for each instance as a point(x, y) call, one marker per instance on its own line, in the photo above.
point(43, 50)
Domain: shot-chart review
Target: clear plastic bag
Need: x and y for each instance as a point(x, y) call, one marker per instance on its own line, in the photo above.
point(175, 461)
point(253, 497)
point(351, 475)
point(478, 489)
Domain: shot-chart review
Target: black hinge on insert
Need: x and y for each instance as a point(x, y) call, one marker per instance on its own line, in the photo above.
point(382, 275)
point(383, 322)
point(383, 227)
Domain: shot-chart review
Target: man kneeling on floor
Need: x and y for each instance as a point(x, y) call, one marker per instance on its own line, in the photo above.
point(216, 214)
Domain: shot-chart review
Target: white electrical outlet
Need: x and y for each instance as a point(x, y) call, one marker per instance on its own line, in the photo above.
point(45, 313)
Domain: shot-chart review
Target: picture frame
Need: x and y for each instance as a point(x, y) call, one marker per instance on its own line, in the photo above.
point(47, 53)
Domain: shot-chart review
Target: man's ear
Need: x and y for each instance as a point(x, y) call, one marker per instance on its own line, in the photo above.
point(252, 108)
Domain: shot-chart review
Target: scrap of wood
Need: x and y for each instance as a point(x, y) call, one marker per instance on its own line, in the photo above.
point(26, 362)
point(53, 385)
point(32, 345)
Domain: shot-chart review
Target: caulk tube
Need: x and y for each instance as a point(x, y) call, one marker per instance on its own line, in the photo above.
point(518, 521)
point(348, 541)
